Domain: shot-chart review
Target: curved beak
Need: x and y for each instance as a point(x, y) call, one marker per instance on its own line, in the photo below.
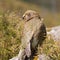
point(23, 16)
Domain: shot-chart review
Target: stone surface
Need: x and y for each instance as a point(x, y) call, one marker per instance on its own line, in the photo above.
point(43, 57)
point(55, 33)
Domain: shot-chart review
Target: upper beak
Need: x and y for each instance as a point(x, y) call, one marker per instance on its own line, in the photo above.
point(23, 16)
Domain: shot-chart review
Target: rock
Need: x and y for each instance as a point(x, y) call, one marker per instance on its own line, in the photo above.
point(55, 33)
point(43, 57)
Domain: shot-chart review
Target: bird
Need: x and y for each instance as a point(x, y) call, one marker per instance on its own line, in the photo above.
point(33, 34)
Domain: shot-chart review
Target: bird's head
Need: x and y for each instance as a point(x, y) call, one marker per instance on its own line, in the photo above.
point(30, 14)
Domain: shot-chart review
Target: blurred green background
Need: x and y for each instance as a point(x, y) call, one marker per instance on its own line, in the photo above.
point(49, 9)
point(11, 25)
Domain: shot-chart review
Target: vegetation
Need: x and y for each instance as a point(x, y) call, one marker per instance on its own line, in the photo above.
point(9, 37)
point(51, 49)
point(11, 29)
